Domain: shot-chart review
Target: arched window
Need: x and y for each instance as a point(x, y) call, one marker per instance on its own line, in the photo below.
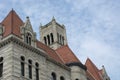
point(48, 37)
point(52, 38)
point(53, 76)
point(62, 78)
point(30, 68)
point(37, 71)
point(22, 66)
point(76, 79)
point(28, 38)
point(1, 66)
point(45, 40)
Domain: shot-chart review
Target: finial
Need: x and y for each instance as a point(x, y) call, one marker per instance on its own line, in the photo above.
point(53, 18)
point(62, 24)
point(12, 10)
point(27, 17)
point(102, 66)
point(40, 24)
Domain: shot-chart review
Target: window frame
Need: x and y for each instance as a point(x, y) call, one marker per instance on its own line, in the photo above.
point(22, 65)
point(1, 66)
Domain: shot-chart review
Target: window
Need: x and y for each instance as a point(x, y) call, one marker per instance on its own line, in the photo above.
point(48, 37)
point(62, 78)
point(30, 68)
point(52, 38)
point(76, 79)
point(88, 78)
point(22, 66)
point(53, 76)
point(37, 71)
point(58, 37)
point(45, 40)
point(28, 38)
point(62, 40)
point(1, 66)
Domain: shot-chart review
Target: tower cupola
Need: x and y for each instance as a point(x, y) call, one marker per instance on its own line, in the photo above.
point(53, 34)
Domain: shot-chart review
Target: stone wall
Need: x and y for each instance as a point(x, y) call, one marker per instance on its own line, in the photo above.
point(12, 67)
point(78, 73)
point(6, 52)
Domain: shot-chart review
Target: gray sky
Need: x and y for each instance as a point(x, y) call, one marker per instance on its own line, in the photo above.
point(93, 26)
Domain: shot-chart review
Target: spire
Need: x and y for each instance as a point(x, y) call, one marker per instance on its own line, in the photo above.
point(40, 24)
point(12, 9)
point(53, 19)
point(104, 73)
point(27, 24)
point(27, 17)
point(103, 69)
point(27, 20)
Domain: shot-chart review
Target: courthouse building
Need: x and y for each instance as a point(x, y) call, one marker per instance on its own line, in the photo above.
point(23, 57)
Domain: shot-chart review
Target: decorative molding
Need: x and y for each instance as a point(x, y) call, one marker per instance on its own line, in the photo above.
point(79, 64)
point(19, 42)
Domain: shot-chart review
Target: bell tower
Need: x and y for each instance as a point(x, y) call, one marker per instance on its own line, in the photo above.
point(53, 34)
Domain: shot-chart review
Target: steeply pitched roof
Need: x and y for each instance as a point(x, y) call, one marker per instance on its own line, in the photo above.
point(12, 24)
point(49, 51)
point(93, 70)
point(89, 76)
point(66, 54)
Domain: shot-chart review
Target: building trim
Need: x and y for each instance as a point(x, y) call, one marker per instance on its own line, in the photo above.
point(79, 64)
point(13, 39)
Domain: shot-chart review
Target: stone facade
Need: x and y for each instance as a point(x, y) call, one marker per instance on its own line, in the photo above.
point(58, 31)
point(23, 57)
point(12, 51)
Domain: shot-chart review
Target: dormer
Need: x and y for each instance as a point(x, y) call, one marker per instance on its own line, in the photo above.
point(28, 35)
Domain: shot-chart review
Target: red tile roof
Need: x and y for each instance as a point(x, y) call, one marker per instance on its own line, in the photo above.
point(12, 24)
point(89, 76)
point(49, 51)
point(66, 54)
point(92, 70)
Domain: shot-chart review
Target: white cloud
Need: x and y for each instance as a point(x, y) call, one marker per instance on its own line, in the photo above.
point(92, 26)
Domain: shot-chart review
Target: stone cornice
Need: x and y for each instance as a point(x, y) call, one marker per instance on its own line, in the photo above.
point(50, 23)
point(77, 64)
point(13, 39)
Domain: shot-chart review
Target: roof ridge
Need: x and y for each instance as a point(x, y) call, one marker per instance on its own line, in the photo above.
point(12, 17)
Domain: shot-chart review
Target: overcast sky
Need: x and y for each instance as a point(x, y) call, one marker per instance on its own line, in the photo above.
point(93, 26)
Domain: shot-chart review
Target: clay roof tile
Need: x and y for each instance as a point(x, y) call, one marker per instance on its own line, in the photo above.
point(66, 54)
point(49, 51)
point(12, 24)
point(92, 69)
